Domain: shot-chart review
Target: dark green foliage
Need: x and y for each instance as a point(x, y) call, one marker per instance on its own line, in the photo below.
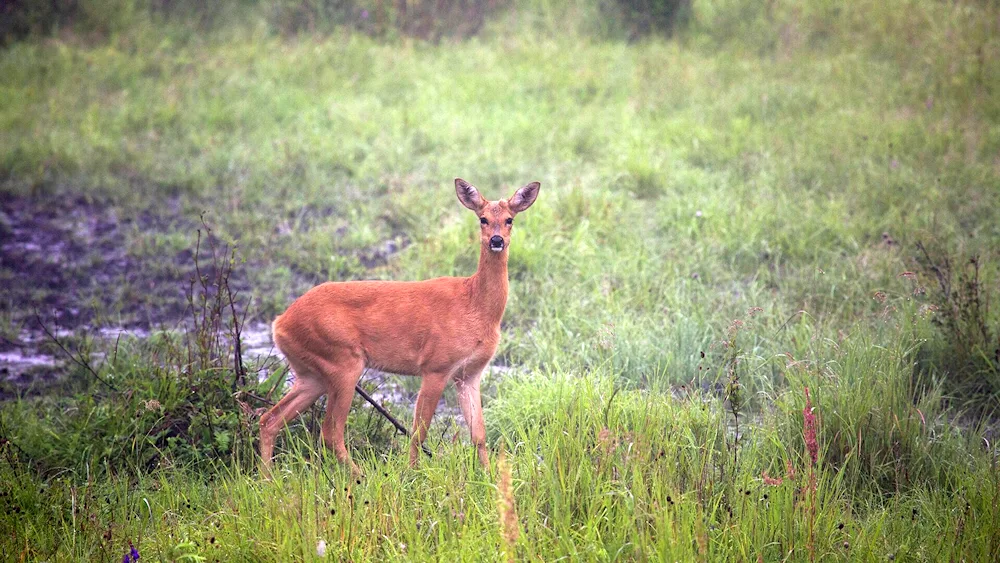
point(645, 17)
point(21, 18)
point(424, 20)
point(160, 418)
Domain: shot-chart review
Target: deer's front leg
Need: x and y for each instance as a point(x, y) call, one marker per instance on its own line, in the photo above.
point(470, 401)
point(427, 400)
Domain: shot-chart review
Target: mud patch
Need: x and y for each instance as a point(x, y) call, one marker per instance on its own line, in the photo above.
point(68, 261)
point(85, 268)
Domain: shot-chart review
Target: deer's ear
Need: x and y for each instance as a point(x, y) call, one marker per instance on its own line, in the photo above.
point(524, 197)
point(468, 195)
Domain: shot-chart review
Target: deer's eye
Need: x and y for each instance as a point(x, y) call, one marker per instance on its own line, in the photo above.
point(483, 221)
point(510, 220)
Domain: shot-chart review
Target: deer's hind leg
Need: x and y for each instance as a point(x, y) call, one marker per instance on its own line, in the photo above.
point(305, 390)
point(341, 377)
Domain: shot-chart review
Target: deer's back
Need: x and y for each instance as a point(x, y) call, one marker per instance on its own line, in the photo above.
point(402, 327)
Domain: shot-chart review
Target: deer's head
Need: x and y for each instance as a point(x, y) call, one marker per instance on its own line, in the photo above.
point(496, 218)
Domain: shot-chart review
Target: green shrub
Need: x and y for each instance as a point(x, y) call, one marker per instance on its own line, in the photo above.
point(21, 18)
point(968, 352)
point(645, 17)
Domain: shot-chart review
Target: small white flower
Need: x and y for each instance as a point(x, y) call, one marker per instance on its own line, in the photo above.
point(697, 213)
point(321, 548)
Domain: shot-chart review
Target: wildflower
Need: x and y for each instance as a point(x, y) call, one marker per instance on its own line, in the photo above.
point(321, 548)
point(604, 438)
point(132, 555)
point(733, 330)
point(809, 429)
point(752, 311)
point(697, 213)
point(772, 481)
point(879, 296)
point(789, 470)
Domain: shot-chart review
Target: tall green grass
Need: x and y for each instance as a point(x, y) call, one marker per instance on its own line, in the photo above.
point(598, 472)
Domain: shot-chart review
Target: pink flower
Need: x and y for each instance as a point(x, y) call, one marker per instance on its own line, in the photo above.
point(772, 481)
point(809, 429)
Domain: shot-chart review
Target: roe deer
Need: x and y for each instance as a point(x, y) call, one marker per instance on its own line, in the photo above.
point(444, 329)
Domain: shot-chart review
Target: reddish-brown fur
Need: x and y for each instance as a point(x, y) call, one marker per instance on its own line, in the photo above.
point(444, 329)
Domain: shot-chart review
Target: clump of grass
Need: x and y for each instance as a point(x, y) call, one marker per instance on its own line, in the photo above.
point(961, 310)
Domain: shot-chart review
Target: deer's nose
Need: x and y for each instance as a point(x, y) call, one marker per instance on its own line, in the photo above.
point(496, 243)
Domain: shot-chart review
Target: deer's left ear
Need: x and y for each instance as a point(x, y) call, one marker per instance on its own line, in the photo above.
point(524, 197)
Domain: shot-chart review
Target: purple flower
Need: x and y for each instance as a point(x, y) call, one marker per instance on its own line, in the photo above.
point(134, 553)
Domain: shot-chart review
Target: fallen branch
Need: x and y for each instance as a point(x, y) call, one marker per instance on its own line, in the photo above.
point(402, 429)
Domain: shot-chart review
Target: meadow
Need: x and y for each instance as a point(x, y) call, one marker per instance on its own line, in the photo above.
point(749, 317)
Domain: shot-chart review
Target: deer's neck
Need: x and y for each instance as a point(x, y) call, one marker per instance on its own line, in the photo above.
point(489, 284)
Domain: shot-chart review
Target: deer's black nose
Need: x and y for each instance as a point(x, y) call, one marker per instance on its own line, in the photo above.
point(496, 242)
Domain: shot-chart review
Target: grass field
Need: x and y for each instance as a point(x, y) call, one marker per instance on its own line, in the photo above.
point(777, 198)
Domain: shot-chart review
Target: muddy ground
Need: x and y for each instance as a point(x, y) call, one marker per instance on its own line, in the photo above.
point(70, 267)
point(65, 263)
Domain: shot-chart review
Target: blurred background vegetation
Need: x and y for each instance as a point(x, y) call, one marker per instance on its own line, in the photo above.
point(428, 19)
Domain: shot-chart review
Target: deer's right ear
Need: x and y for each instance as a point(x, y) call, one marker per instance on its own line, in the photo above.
point(468, 195)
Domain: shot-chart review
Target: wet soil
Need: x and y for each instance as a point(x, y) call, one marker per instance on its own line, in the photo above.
point(67, 261)
point(66, 268)
point(65, 264)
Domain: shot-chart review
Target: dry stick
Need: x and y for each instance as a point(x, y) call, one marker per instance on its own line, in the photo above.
point(79, 361)
point(237, 330)
point(943, 280)
point(386, 414)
